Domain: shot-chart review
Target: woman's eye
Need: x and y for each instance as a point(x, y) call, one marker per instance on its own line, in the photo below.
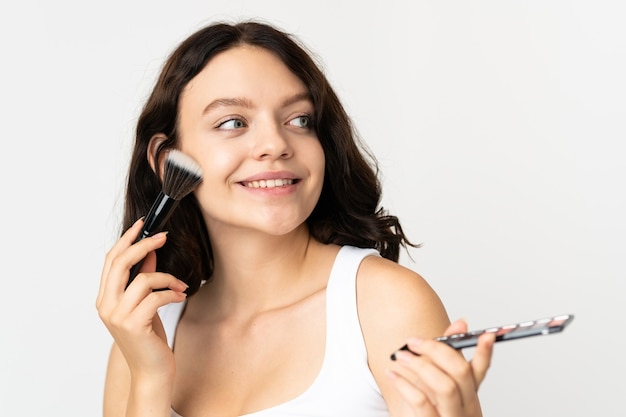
point(232, 124)
point(301, 121)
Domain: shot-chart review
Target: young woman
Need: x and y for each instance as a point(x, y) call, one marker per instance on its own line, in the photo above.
point(283, 292)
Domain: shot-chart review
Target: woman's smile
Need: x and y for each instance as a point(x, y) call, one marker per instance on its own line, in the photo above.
point(271, 181)
point(280, 182)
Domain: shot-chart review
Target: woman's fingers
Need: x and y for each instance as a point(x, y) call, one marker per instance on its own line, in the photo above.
point(435, 387)
point(438, 373)
point(118, 271)
point(416, 398)
point(122, 244)
point(447, 374)
point(146, 291)
point(132, 309)
point(482, 357)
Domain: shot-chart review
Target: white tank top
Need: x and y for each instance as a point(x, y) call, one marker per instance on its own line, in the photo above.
point(345, 385)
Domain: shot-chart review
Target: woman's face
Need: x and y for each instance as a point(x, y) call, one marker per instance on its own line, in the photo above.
point(246, 119)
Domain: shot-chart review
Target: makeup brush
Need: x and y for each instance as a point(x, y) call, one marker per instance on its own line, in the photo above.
point(180, 176)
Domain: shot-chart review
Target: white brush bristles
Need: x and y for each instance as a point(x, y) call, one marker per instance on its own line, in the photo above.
point(181, 175)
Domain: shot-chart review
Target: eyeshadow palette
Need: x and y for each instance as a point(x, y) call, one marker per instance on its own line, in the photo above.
point(544, 326)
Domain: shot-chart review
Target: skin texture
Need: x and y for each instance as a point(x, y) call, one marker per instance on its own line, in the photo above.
point(242, 337)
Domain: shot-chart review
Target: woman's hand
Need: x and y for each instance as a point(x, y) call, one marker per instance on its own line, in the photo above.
point(436, 380)
point(131, 315)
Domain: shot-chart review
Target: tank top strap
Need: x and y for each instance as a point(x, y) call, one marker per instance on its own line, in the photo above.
point(170, 316)
point(343, 331)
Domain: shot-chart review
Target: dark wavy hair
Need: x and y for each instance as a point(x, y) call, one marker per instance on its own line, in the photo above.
point(347, 212)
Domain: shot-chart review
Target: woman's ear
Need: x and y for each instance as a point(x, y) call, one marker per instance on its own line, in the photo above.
point(153, 147)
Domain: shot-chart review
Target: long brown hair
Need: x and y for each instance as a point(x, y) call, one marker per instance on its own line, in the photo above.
point(347, 212)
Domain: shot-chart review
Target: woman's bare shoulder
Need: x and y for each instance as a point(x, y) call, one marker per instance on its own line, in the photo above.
point(395, 303)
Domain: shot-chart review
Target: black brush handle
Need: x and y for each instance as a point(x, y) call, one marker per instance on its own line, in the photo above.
point(155, 220)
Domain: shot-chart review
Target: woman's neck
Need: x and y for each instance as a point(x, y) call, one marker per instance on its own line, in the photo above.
point(255, 272)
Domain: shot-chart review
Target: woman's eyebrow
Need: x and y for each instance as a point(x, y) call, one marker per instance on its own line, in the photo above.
point(303, 96)
point(225, 102)
point(244, 102)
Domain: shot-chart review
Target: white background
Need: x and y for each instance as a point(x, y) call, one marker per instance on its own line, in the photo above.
point(499, 126)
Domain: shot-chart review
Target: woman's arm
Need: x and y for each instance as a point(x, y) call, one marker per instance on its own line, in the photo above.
point(117, 384)
point(397, 306)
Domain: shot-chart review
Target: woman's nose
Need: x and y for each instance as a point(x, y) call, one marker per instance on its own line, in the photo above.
point(271, 142)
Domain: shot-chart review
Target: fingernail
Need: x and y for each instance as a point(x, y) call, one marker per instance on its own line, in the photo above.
point(160, 235)
point(402, 356)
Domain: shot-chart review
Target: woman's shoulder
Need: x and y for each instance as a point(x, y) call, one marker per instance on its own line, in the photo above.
point(383, 280)
point(398, 302)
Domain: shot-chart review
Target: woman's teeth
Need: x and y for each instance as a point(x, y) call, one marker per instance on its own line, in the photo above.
point(268, 183)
